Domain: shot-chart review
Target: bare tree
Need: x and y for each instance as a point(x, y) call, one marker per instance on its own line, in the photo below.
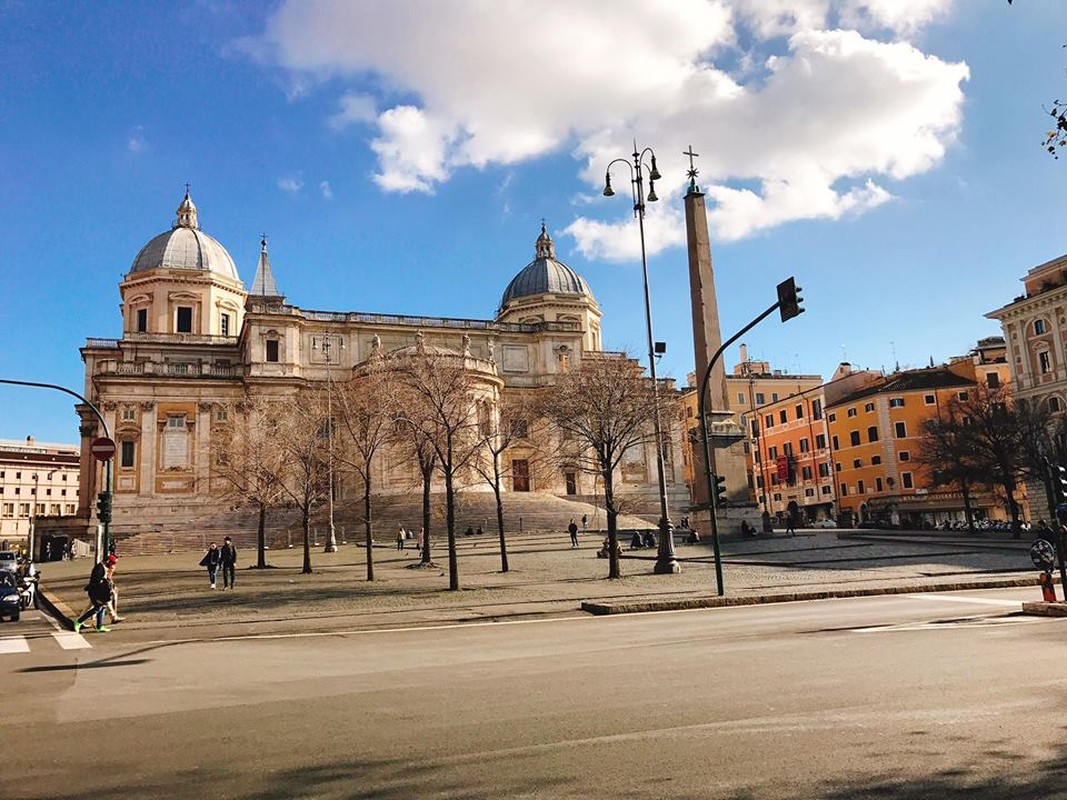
point(511, 423)
point(303, 432)
point(246, 458)
point(1043, 442)
point(602, 410)
point(995, 438)
point(440, 394)
point(947, 450)
point(366, 408)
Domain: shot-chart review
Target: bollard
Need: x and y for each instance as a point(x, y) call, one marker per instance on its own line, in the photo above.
point(1048, 590)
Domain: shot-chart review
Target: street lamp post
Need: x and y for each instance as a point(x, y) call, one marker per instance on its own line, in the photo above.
point(666, 562)
point(331, 536)
point(33, 516)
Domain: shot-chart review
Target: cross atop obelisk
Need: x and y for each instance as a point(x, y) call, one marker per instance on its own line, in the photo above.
point(692, 172)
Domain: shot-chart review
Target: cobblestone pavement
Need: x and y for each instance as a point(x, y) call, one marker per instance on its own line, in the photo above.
point(546, 576)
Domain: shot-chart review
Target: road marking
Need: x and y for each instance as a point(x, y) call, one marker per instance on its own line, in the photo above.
point(69, 640)
point(987, 601)
point(14, 644)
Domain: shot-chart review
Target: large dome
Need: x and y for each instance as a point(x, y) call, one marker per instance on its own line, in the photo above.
point(545, 275)
point(185, 246)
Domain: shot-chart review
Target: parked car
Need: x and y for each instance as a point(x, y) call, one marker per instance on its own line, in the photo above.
point(825, 523)
point(10, 605)
point(9, 561)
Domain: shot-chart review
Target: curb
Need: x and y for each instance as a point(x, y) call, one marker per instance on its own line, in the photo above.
point(57, 608)
point(600, 607)
point(1045, 609)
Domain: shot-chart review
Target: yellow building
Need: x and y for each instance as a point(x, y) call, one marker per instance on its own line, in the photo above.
point(875, 435)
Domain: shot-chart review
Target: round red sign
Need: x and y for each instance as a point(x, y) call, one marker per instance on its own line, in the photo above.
point(103, 448)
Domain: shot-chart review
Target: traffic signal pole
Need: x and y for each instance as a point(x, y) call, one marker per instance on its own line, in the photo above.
point(107, 463)
point(789, 303)
point(1058, 479)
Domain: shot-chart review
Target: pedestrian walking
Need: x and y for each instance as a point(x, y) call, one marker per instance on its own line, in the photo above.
point(99, 591)
point(211, 561)
point(418, 541)
point(585, 521)
point(572, 529)
point(790, 525)
point(113, 603)
point(228, 559)
point(400, 539)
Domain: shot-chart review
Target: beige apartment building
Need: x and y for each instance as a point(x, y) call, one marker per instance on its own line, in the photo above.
point(38, 485)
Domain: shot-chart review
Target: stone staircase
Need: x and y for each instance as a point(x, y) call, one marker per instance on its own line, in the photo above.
point(526, 512)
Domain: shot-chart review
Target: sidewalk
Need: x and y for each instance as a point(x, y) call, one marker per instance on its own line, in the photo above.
point(546, 577)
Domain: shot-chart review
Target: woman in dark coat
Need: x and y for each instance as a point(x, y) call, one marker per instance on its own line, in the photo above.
point(211, 560)
point(99, 591)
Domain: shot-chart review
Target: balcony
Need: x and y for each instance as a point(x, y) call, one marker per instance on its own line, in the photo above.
point(170, 369)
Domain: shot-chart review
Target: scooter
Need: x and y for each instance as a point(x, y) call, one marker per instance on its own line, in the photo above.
point(28, 591)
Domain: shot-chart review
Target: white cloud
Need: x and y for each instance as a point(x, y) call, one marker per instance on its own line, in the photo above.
point(796, 117)
point(355, 109)
point(135, 142)
point(291, 184)
point(326, 189)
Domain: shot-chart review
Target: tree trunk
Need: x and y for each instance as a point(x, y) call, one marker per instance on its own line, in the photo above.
point(500, 526)
point(450, 522)
point(426, 478)
point(613, 532)
point(306, 524)
point(1013, 507)
point(968, 512)
point(368, 527)
point(261, 538)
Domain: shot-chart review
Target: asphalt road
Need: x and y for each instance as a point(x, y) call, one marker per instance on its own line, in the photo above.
point(905, 696)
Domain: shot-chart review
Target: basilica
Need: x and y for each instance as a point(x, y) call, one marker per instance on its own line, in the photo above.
point(196, 340)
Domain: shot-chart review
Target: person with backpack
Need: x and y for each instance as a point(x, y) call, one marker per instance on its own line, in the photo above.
point(228, 559)
point(99, 591)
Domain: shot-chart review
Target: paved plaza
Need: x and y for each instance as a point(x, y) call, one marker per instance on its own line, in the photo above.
point(546, 577)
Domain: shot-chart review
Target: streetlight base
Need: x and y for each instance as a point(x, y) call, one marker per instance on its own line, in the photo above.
point(666, 562)
point(666, 566)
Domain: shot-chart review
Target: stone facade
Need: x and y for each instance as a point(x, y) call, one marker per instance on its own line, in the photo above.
point(195, 341)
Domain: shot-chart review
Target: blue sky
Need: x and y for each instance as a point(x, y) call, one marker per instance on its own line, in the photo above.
point(401, 155)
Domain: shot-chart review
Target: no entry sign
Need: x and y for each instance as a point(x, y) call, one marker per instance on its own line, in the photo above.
point(102, 448)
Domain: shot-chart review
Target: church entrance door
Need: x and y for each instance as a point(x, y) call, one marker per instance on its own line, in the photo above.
point(520, 475)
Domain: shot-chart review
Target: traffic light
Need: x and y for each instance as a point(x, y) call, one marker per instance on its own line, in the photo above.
point(719, 484)
point(789, 299)
point(103, 506)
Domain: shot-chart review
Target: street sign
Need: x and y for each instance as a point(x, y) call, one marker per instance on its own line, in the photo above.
point(1043, 554)
point(102, 448)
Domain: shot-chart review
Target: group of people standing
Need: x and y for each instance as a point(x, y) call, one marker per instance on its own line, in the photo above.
point(402, 536)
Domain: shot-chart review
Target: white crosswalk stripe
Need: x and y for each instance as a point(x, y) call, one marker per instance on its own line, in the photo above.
point(14, 644)
point(69, 640)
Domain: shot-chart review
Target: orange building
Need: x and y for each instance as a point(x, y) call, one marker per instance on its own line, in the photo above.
point(752, 384)
point(792, 461)
point(875, 434)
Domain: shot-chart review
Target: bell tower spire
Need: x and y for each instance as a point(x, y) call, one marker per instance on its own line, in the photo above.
point(187, 213)
point(545, 248)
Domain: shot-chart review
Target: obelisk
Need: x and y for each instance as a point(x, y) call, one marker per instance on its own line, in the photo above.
point(707, 338)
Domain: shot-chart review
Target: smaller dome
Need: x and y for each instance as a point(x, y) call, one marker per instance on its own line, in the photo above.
point(185, 246)
point(545, 275)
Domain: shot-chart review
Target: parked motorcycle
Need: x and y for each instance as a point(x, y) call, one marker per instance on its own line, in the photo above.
point(28, 589)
